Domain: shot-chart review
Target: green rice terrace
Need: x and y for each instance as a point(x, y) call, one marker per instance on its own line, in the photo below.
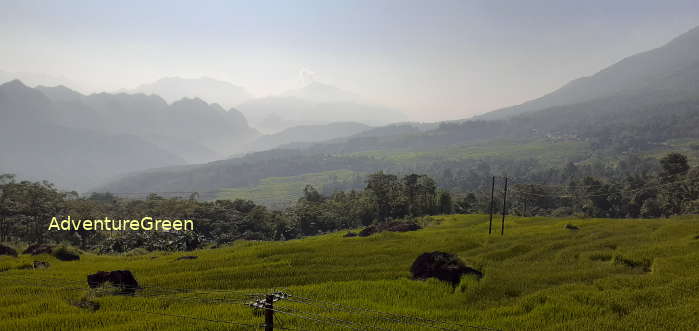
point(543, 274)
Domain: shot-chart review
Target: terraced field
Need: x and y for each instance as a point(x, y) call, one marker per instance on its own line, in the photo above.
point(607, 275)
point(283, 191)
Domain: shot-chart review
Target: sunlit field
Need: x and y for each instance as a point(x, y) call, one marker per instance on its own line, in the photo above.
point(607, 275)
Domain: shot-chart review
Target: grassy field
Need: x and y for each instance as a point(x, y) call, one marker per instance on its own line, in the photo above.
point(282, 191)
point(557, 153)
point(608, 275)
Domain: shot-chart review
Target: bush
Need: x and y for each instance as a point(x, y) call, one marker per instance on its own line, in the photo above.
point(66, 253)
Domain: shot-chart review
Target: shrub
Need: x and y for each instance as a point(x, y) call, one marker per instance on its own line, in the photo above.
point(66, 253)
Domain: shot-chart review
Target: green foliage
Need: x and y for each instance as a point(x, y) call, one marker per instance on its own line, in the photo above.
point(281, 192)
point(65, 253)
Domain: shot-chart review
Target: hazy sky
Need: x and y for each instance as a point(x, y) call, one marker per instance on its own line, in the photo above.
point(434, 60)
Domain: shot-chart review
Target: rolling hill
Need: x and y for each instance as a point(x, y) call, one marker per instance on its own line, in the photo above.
point(608, 274)
point(674, 67)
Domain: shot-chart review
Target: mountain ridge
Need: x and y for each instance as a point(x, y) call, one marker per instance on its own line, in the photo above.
point(632, 73)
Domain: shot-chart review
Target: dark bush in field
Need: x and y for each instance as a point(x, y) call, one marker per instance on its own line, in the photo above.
point(368, 231)
point(122, 279)
point(443, 266)
point(4, 250)
point(186, 257)
point(572, 227)
point(64, 253)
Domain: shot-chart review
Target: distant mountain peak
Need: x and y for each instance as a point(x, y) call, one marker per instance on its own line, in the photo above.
point(60, 93)
point(15, 83)
point(210, 90)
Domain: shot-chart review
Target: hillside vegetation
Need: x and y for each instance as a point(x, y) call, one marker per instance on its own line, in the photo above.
point(607, 275)
point(284, 191)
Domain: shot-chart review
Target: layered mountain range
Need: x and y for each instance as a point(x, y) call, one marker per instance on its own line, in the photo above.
point(78, 140)
point(81, 141)
point(637, 105)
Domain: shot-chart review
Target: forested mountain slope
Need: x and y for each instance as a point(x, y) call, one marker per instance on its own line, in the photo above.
point(672, 67)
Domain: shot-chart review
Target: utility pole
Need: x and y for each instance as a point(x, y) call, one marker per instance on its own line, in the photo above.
point(504, 209)
point(269, 312)
point(525, 207)
point(492, 204)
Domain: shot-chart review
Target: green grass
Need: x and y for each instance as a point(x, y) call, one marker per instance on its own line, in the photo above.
point(281, 191)
point(608, 275)
point(688, 147)
point(551, 152)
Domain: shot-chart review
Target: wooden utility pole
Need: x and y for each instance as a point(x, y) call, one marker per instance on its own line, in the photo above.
point(269, 312)
point(525, 207)
point(492, 204)
point(504, 209)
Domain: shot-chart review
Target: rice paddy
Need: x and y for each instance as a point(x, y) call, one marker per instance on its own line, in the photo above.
point(608, 275)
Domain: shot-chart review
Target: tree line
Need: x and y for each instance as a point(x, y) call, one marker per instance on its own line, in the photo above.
point(26, 209)
point(646, 190)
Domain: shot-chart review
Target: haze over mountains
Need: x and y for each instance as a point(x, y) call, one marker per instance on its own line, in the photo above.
point(211, 90)
point(640, 102)
point(79, 140)
point(633, 106)
point(119, 133)
point(308, 134)
point(313, 104)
